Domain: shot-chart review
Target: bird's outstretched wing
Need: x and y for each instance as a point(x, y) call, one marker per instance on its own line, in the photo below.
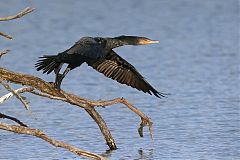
point(115, 67)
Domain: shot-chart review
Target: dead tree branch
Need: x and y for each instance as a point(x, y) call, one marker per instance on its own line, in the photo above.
point(94, 114)
point(9, 95)
point(5, 85)
point(4, 52)
point(18, 129)
point(6, 35)
point(43, 136)
point(13, 119)
point(48, 90)
point(18, 15)
point(145, 120)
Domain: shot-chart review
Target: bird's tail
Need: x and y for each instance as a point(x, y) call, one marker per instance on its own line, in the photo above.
point(48, 63)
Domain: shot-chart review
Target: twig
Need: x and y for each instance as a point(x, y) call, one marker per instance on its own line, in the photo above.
point(20, 90)
point(6, 35)
point(48, 96)
point(4, 52)
point(18, 15)
point(43, 136)
point(5, 85)
point(13, 119)
point(144, 119)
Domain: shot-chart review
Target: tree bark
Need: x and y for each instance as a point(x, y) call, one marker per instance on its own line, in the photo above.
point(47, 90)
point(43, 136)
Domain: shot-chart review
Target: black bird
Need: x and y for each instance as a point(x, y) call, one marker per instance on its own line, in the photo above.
point(98, 53)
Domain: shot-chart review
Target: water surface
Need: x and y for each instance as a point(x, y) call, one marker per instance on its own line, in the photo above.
point(197, 62)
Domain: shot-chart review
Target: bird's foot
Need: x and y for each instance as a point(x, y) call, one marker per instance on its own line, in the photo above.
point(55, 85)
point(52, 83)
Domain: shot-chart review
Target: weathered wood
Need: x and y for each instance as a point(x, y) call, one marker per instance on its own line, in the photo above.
point(3, 52)
point(10, 94)
point(18, 15)
point(49, 91)
point(14, 93)
point(43, 136)
point(145, 120)
point(101, 124)
point(6, 35)
point(13, 119)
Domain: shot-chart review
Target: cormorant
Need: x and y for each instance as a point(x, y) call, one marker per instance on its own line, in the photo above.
point(98, 53)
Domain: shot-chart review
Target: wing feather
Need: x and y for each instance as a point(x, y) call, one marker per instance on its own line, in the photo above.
point(115, 67)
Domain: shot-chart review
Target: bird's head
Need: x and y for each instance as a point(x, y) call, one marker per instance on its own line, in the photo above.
point(129, 40)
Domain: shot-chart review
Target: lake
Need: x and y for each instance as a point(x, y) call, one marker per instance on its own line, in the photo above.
point(196, 61)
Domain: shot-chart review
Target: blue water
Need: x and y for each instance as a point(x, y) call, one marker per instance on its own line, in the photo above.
point(197, 61)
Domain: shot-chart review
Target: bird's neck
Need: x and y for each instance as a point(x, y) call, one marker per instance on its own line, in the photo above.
point(121, 41)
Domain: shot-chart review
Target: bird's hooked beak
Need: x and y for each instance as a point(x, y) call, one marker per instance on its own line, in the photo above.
point(129, 40)
point(143, 41)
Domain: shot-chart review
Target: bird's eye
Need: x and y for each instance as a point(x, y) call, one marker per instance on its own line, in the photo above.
point(99, 41)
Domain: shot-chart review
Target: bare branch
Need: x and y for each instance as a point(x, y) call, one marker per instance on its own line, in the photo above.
point(6, 35)
point(4, 52)
point(43, 136)
point(145, 120)
point(48, 88)
point(13, 119)
point(48, 96)
point(49, 91)
point(18, 15)
point(5, 85)
point(92, 112)
point(20, 90)
point(102, 125)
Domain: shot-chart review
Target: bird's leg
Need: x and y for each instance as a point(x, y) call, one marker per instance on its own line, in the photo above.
point(57, 81)
point(59, 77)
point(56, 71)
